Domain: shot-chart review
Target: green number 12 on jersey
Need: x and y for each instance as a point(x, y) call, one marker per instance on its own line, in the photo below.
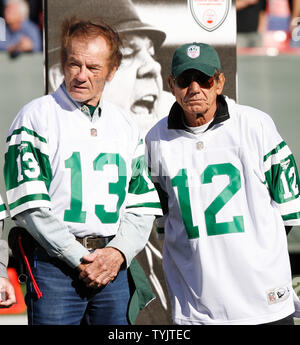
point(213, 228)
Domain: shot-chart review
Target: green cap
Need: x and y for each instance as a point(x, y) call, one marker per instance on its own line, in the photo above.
point(199, 56)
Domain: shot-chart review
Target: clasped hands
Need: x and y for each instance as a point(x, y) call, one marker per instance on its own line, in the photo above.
point(8, 298)
point(100, 267)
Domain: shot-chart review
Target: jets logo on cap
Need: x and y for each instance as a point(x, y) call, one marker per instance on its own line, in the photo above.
point(193, 51)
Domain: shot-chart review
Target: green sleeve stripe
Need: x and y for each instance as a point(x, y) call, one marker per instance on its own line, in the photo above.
point(33, 187)
point(275, 176)
point(278, 158)
point(29, 131)
point(29, 198)
point(282, 178)
point(291, 216)
point(146, 204)
point(2, 207)
point(275, 150)
point(289, 206)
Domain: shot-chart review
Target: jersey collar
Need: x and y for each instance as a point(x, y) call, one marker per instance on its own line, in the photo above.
point(83, 107)
point(176, 115)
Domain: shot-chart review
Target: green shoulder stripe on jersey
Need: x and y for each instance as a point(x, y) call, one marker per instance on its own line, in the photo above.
point(2, 207)
point(27, 130)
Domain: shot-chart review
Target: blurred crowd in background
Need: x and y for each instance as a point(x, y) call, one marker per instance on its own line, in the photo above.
point(23, 26)
point(268, 23)
point(260, 23)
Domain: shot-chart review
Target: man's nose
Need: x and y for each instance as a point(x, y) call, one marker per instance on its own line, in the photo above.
point(82, 74)
point(194, 86)
point(149, 67)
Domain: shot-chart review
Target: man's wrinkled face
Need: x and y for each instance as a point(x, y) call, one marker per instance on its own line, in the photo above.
point(196, 92)
point(87, 69)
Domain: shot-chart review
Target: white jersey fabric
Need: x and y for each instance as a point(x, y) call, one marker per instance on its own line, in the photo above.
point(227, 194)
point(3, 243)
point(86, 172)
point(3, 209)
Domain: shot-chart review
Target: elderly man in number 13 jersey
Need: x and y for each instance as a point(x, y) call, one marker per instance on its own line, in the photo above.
point(75, 181)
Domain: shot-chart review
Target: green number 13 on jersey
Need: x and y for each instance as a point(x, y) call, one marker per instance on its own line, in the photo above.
point(75, 213)
point(213, 228)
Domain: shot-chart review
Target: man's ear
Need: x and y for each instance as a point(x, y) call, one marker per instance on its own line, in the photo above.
point(111, 73)
point(171, 84)
point(221, 83)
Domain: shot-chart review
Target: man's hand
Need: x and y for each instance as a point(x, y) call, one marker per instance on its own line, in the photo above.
point(25, 44)
point(100, 267)
point(8, 291)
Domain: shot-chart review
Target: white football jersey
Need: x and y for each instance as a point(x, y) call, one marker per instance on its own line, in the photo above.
point(3, 210)
point(227, 194)
point(85, 172)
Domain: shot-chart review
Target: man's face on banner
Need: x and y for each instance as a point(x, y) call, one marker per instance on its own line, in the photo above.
point(137, 84)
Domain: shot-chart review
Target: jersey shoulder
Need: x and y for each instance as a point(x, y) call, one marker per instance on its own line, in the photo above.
point(254, 126)
point(158, 131)
point(248, 114)
point(33, 115)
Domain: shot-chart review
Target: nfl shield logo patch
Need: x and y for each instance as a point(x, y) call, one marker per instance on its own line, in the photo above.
point(209, 14)
point(193, 51)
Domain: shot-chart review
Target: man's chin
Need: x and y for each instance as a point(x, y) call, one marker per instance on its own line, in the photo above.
point(196, 110)
point(78, 97)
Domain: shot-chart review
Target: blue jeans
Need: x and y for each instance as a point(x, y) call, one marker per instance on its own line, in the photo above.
point(67, 301)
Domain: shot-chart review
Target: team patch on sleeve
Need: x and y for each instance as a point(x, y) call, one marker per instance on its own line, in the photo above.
point(283, 181)
point(142, 195)
point(27, 171)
